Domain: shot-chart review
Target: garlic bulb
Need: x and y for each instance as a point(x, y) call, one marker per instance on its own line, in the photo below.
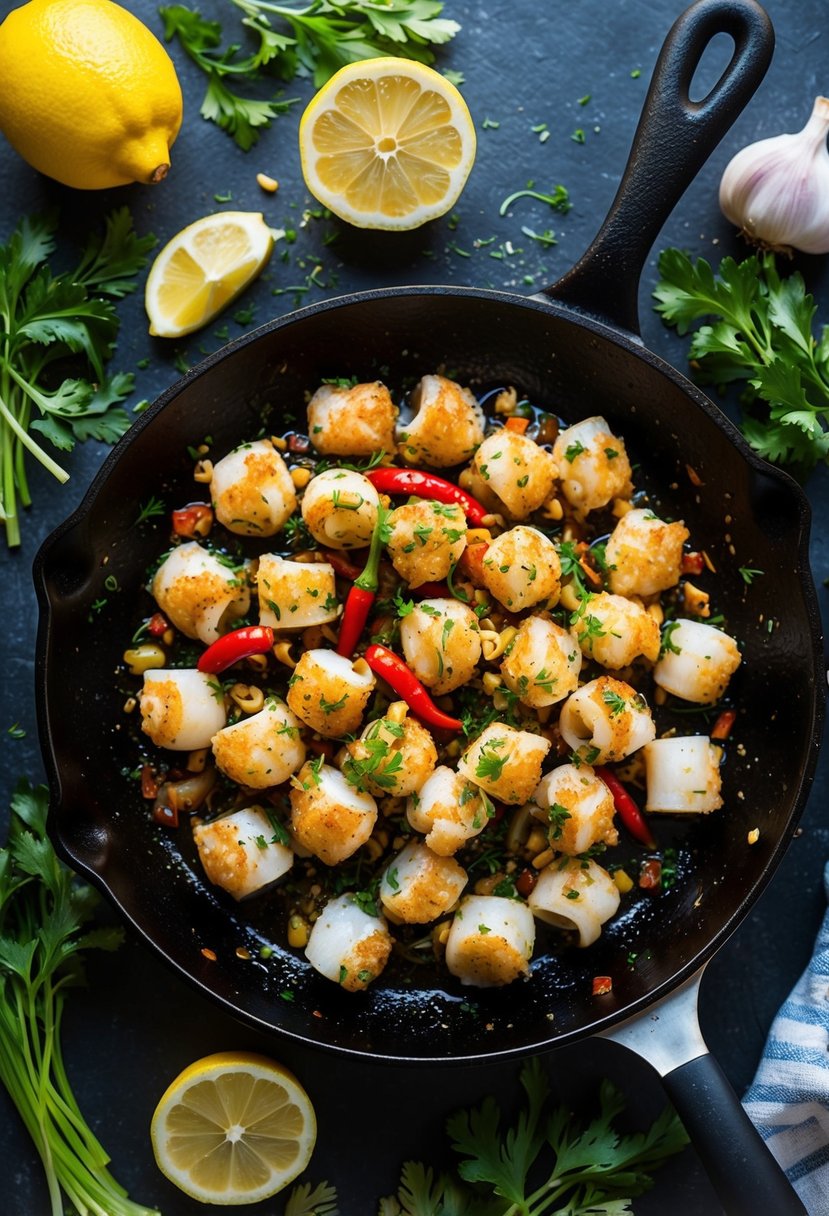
point(777, 190)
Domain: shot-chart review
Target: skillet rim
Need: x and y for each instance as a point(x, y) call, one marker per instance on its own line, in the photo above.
point(631, 344)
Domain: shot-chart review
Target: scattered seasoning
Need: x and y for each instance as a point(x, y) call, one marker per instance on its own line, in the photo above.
point(243, 953)
point(602, 984)
point(578, 136)
point(223, 198)
point(489, 124)
point(636, 73)
point(584, 100)
point(16, 731)
point(209, 954)
point(269, 184)
point(748, 575)
point(753, 836)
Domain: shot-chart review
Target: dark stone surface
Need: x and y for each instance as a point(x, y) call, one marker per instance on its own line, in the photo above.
point(525, 64)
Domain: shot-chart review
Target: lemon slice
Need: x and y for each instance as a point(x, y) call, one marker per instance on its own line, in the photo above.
point(387, 143)
point(203, 268)
point(233, 1128)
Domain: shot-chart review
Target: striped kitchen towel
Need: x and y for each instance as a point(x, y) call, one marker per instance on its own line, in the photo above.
point(788, 1101)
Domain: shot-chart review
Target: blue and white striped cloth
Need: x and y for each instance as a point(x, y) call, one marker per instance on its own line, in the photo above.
point(788, 1101)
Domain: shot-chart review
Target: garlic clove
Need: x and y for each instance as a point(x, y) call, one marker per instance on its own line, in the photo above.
point(777, 190)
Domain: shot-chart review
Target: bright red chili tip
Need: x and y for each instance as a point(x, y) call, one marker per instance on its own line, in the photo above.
point(234, 646)
point(426, 485)
point(386, 664)
point(629, 812)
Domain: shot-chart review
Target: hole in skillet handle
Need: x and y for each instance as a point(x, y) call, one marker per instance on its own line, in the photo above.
point(673, 140)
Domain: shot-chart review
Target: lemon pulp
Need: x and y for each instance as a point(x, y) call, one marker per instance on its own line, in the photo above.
point(233, 1128)
point(387, 143)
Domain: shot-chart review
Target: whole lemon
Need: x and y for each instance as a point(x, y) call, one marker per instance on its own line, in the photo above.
point(89, 95)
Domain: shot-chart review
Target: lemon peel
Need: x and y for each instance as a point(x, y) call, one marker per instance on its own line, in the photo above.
point(90, 97)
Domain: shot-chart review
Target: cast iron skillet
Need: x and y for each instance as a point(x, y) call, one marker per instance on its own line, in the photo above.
point(573, 349)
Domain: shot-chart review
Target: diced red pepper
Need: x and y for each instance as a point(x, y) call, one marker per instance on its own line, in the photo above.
point(602, 984)
point(196, 519)
point(150, 781)
point(426, 485)
point(157, 625)
point(722, 727)
point(650, 875)
point(525, 882)
point(166, 816)
point(234, 646)
point(629, 812)
point(517, 423)
point(386, 664)
point(692, 563)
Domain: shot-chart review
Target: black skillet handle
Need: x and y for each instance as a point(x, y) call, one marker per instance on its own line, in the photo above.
point(746, 1177)
point(674, 138)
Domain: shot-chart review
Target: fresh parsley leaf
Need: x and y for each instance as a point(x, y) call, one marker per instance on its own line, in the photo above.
point(52, 319)
point(319, 38)
point(756, 330)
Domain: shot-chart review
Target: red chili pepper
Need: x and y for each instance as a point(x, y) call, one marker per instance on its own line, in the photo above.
point(196, 519)
point(426, 485)
point(234, 646)
point(386, 664)
point(364, 592)
point(629, 812)
point(157, 625)
point(602, 984)
point(692, 563)
point(342, 566)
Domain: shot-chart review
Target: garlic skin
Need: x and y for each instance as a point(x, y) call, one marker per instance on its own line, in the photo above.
point(777, 190)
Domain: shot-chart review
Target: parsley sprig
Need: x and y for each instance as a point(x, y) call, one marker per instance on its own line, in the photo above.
point(47, 319)
point(317, 38)
point(44, 911)
point(589, 1167)
point(758, 332)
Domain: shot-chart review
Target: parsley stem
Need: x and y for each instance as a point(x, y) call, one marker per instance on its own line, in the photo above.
point(37, 451)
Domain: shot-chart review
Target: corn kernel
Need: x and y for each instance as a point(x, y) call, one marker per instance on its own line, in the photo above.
point(300, 477)
point(297, 932)
point(753, 836)
point(623, 881)
point(144, 658)
point(266, 183)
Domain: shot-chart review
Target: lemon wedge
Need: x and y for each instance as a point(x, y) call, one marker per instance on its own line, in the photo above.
point(387, 143)
point(203, 268)
point(233, 1128)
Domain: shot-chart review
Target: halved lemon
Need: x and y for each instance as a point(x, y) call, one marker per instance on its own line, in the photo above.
point(387, 143)
point(203, 268)
point(234, 1127)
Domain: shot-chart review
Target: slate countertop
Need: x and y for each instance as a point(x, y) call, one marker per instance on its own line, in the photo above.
point(528, 68)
